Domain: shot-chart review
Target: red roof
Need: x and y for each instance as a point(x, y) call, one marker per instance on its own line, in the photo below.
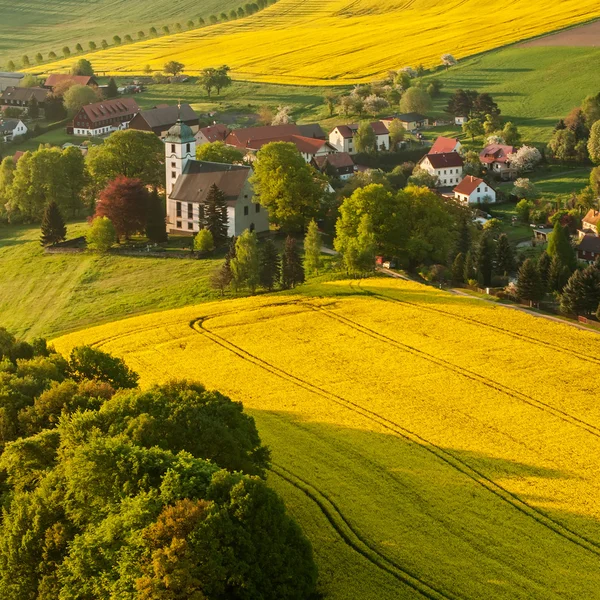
point(445, 159)
point(17, 156)
point(468, 185)
point(107, 109)
point(338, 160)
point(496, 153)
point(442, 145)
point(215, 133)
point(304, 144)
point(348, 131)
point(57, 78)
point(248, 137)
point(592, 218)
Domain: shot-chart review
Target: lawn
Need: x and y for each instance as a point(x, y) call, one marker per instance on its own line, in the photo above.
point(54, 137)
point(426, 443)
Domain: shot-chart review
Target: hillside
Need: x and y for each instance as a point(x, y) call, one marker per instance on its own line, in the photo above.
point(425, 442)
point(344, 41)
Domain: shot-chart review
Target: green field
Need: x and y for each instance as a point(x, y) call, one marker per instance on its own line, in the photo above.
point(32, 26)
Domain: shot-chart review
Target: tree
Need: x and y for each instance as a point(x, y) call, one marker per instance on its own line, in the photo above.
point(286, 186)
point(594, 143)
point(461, 103)
point(505, 259)
point(116, 40)
point(469, 272)
point(190, 24)
point(282, 117)
point(156, 228)
point(104, 44)
point(543, 266)
point(590, 108)
point(141, 35)
point(218, 152)
point(375, 104)
point(485, 260)
point(7, 175)
point(331, 101)
point(415, 100)
point(222, 78)
point(422, 178)
point(101, 235)
point(54, 229)
point(529, 283)
point(82, 67)
point(581, 295)
point(207, 79)
point(79, 95)
point(112, 91)
point(292, 272)
point(511, 134)
point(575, 122)
point(472, 164)
point(365, 139)
point(458, 268)
point(562, 145)
point(595, 181)
point(33, 109)
point(524, 189)
point(39, 59)
point(359, 252)
point(203, 241)
point(221, 278)
point(173, 68)
point(492, 123)
point(66, 51)
point(558, 275)
point(448, 60)
point(87, 363)
point(473, 128)
point(559, 245)
point(483, 104)
point(215, 217)
point(29, 81)
point(153, 31)
point(213, 19)
point(270, 265)
point(125, 202)
point(397, 133)
point(312, 249)
point(245, 267)
point(525, 159)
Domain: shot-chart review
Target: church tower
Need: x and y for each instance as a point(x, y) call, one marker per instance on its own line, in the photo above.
point(180, 148)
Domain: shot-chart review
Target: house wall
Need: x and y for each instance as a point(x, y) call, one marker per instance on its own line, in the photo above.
point(20, 129)
point(450, 176)
point(340, 143)
point(245, 214)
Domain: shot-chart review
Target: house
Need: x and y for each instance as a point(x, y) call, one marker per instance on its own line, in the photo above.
point(161, 118)
point(413, 121)
point(57, 78)
point(588, 248)
point(22, 97)
point(188, 181)
point(444, 144)
point(340, 162)
point(104, 117)
point(10, 80)
point(473, 190)
point(11, 128)
point(447, 167)
point(17, 156)
point(460, 120)
point(213, 133)
point(542, 234)
point(591, 222)
point(342, 137)
point(495, 158)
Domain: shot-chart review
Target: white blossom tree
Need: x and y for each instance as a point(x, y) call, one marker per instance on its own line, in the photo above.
point(524, 189)
point(525, 158)
point(375, 104)
point(283, 116)
point(494, 139)
point(448, 60)
point(412, 73)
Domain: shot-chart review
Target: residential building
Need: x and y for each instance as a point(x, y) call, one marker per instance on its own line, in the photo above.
point(342, 137)
point(57, 78)
point(473, 190)
point(188, 182)
point(340, 163)
point(22, 97)
point(10, 80)
point(410, 121)
point(161, 118)
point(444, 144)
point(591, 222)
point(11, 128)
point(447, 167)
point(213, 133)
point(588, 248)
point(494, 158)
point(460, 120)
point(104, 117)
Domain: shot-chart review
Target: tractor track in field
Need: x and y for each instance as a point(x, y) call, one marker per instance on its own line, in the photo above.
point(519, 336)
point(458, 464)
point(352, 538)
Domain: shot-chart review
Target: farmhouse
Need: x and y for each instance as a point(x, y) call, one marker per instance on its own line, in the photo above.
point(11, 128)
point(473, 190)
point(444, 144)
point(340, 163)
point(588, 248)
point(342, 137)
point(188, 182)
point(495, 158)
point(447, 167)
point(591, 222)
point(104, 117)
point(57, 78)
point(22, 97)
point(161, 118)
point(213, 133)
point(413, 121)
point(10, 80)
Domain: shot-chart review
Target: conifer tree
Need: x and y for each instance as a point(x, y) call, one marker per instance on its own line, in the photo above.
point(558, 275)
point(485, 260)
point(54, 229)
point(505, 259)
point(292, 271)
point(33, 110)
point(111, 89)
point(458, 268)
point(215, 215)
point(469, 272)
point(156, 228)
point(559, 245)
point(270, 265)
point(544, 269)
point(463, 243)
point(581, 295)
point(529, 284)
point(312, 249)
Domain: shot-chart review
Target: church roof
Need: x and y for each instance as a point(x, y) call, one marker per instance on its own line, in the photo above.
point(198, 176)
point(180, 133)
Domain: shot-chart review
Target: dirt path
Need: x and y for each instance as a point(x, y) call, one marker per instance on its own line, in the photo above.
point(582, 36)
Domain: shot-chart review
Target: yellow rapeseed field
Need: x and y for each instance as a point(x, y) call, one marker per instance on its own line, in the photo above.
point(345, 41)
point(430, 445)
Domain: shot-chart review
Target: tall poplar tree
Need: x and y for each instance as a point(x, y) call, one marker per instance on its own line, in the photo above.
point(245, 267)
point(312, 249)
point(292, 271)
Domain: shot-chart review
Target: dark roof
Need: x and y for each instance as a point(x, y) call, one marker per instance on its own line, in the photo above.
point(99, 111)
point(9, 125)
point(198, 176)
point(56, 78)
point(339, 160)
point(250, 136)
point(11, 75)
point(215, 133)
point(410, 117)
point(166, 116)
point(24, 94)
point(469, 184)
point(348, 131)
point(589, 243)
point(445, 159)
point(312, 130)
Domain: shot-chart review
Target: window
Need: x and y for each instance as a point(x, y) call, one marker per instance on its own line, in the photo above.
point(245, 211)
point(178, 224)
point(478, 190)
point(190, 211)
point(178, 205)
point(173, 165)
point(190, 226)
point(172, 147)
point(257, 208)
point(187, 148)
point(173, 174)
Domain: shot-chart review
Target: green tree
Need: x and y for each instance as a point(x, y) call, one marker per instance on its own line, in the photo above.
point(473, 128)
point(529, 283)
point(208, 79)
point(562, 145)
point(215, 217)
point(559, 245)
point(218, 152)
point(469, 273)
point(511, 134)
point(101, 235)
point(39, 59)
point(331, 101)
point(594, 143)
point(116, 40)
point(54, 229)
point(29, 81)
point(156, 228)
point(581, 294)
point(33, 110)
point(312, 249)
point(292, 271)
point(416, 100)
point(397, 133)
point(203, 241)
point(485, 260)
point(222, 78)
point(7, 175)
point(270, 265)
point(112, 91)
point(92, 45)
point(558, 275)
point(591, 109)
point(173, 68)
point(10, 66)
point(365, 139)
point(543, 266)
point(77, 96)
point(422, 178)
point(505, 259)
point(90, 363)
point(525, 189)
point(128, 39)
point(286, 186)
point(458, 268)
point(66, 51)
point(82, 67)
point(245, 267)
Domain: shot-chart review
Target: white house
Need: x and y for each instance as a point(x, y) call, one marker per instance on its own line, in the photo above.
point(188, 182)
point(473, 190)
point(494, 158)
point(591, 222)
point(11, 128)
point(446, 166)
point(213, 133)
point(104, 117)
point(342, 137)
point(460, 120)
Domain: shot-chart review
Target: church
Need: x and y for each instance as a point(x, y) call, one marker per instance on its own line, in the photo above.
point(189, 180)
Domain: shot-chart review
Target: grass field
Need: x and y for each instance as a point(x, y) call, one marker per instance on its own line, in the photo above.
point(427, 443)
point(341, 41)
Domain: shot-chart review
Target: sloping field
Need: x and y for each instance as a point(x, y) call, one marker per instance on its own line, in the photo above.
point(430, 445)
point(343, 41)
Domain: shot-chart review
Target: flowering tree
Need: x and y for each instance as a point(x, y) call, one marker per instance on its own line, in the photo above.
point(525, 189)
point(283, 116)
point(494, 139)
point(526, 158)
point(375, 104)
point(448, 60)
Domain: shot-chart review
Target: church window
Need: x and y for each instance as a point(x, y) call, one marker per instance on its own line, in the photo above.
point(190, 211)
point(173, 165)
point(187, 148)
point(173, 174)
point(190, 225)
point(178, 224)
point(172, 147)
point(245, 211)
point(178, 205)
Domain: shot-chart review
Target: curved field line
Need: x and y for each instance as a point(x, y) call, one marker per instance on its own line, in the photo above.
point(463, 372)
point(355, 540)
point(520, 336)
point(442, 454)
